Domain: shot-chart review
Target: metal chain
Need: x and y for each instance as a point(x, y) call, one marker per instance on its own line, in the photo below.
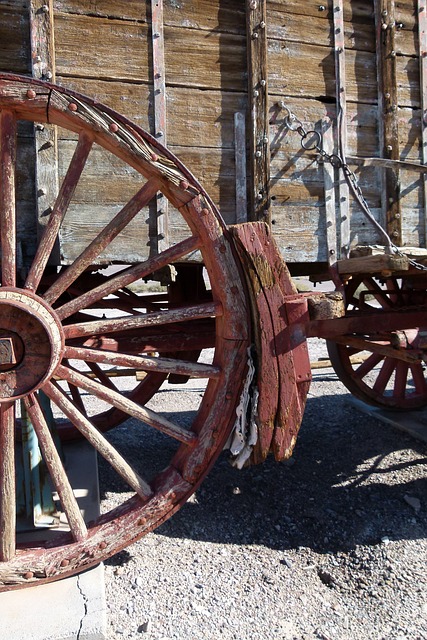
point(312, 140)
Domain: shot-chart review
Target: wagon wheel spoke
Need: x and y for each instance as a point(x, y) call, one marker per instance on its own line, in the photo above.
point(400, 379)
point(128, 276)
point(57, 472)
point(144, 363)
point(114, 325)
point(128, 406)
point(102, 240)
point(7, 198)
point(7, 482)
point(59, 210)
point(98, 441)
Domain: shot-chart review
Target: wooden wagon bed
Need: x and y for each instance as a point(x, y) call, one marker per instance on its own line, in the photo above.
point(214, 79)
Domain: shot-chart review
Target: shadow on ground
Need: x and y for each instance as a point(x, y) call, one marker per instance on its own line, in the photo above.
point(347, 484)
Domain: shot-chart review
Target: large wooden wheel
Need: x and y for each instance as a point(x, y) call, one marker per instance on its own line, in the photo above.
point(385, 368)
point(50, 340)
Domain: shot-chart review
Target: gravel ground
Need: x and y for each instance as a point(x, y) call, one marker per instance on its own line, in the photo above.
point(331, 544)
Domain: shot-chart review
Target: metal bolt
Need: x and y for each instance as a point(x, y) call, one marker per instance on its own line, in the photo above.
point(389, 147)
point(384, 26)
point(31, 94)
point(397, 216)
point(113, 127)
point(161, 236)
point(384, 12)
point(41, 192)
point(263, 82)
point(28, 575)
point(37, 59)
point(184, 185)
point(265, 139)
point(156, 35)
point(205, 212)
point(394, 107)
point(256, 93)
point(395, 234)
point(332, 252)
point(260, 196)
point(387, 95)
point(102, 545)
point(158, 76)
point(39, 127)
point(222, 249)
point(255, 35)
point(339, 49)
point(253, 4)
point(393, 54)
point(45, 8)
point(262, 25)
point(159, 134)
point(64, 563)
point(72, 106)
point(258, 154)
point(322, 7)
point(48, 75)
point(154, 157)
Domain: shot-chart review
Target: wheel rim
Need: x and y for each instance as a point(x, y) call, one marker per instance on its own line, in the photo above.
point(371, 372)
point(105, 342)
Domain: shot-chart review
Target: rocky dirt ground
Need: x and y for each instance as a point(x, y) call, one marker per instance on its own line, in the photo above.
point(330, 545)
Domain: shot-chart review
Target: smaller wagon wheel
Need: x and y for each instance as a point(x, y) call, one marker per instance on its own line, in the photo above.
point(385, 369)
point(48, 338)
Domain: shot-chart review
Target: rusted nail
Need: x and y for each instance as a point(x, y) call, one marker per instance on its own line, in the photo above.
point(64, 563)
point(205, 212)
point(114, 127)
point(154, 157)
point(102, 545)
point(142, 522)
point(184, 185)
point(31, 94)
point(28, 575)
point(223, 248)
point(72, 106)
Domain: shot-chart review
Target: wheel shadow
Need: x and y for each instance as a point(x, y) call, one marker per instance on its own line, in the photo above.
point(352, 481)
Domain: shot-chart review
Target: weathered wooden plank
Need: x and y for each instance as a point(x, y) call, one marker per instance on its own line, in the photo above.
point(14, 38)
point(214, 62)
point(212, 15)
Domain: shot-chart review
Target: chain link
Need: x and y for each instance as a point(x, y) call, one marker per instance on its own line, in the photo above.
point(312, 140)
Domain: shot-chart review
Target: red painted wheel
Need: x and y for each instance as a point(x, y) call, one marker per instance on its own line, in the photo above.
point(48, 337)
point(385, 369)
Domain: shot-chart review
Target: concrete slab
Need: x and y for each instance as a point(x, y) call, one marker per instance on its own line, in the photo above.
point(70, 609)
point(412, 422)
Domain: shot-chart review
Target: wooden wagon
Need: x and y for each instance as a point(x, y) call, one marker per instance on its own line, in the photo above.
point(306, 124)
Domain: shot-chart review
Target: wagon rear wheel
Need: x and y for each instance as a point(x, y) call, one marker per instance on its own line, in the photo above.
point(61, 346)
point(386, 369)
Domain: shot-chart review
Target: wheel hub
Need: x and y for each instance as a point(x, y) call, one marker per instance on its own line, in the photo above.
point(31, 343)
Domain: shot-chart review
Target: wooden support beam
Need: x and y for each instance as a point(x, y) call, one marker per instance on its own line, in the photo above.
point(341, 125)
point(161, 240)
point(387, 114)
point(422, 52)
point(329, 186)
point(256, 25)
point(43, 67)
point(240, 166)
